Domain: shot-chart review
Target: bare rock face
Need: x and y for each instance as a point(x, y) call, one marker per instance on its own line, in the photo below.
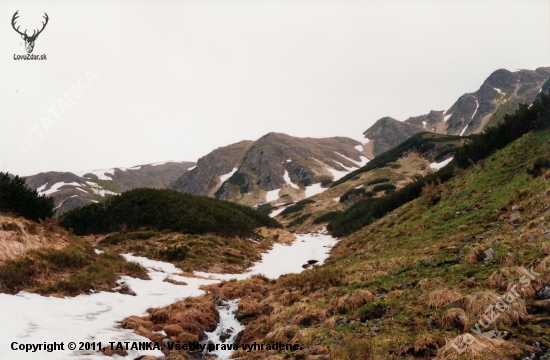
point(249, 169)
point(500, 93)
point(204, 179)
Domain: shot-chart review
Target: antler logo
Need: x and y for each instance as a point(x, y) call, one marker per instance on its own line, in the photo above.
point(29, 40)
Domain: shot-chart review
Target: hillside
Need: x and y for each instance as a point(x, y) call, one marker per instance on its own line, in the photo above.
point(163, 209)
point(500, 93)
point(71, 190)
point(422, 154)
point(429, 274)
point(275, 168)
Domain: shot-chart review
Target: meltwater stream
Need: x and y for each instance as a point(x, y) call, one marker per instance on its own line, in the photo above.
point(27, 318)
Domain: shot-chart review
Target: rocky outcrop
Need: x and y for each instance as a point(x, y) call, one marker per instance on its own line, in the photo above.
point(204, 179)
point(245, 171)
point(500, 93)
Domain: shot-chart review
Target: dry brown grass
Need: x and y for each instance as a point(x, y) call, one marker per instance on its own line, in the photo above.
point(429, 283)
point(545, 248)
point(503, 278)
point(507, 260)
point(441, 297)
point(353, 302)
point(307, 315)
point(455, 317)
point(478, 347)
point(479, 301)
point(283, 334)
point(18, 235)
point(476, 254)
point(277, 235)
point(427, 342)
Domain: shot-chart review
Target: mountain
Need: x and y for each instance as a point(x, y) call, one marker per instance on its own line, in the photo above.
point(499, 94)
point(71, 190)
point(275, 168)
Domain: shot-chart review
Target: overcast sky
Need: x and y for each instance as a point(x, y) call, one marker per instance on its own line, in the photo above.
point(173, 80)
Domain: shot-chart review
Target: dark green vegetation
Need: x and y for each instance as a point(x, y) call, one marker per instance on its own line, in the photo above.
point(524, 119)
point(383, 187)
point(378, 181)
point(331, 215)
point(18, 199)
point(158, 210)
point(72, 270)
point(356, 193)
point(421, 142)
point(299, 206)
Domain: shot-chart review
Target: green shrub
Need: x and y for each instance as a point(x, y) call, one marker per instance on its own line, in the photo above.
point(17, 198)
point(513, 126)
point(157, 210)
point(175, 253)
point(382, 187)
point(361, 192)
point(300, 220)
point(366, 211)
point(378, 181)
point(327, 217)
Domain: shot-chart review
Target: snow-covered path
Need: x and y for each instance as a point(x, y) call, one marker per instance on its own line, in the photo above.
point(33, 319)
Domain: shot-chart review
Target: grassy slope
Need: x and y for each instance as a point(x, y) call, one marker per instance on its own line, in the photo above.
point(195, 252)
point(400, 165)
point(46, 259)
point(398, 271)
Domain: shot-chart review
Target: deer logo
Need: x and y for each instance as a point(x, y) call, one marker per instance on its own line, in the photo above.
point(29, 40)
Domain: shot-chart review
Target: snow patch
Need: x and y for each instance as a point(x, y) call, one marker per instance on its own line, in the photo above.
point(314, 189)
point(289, 160)
point(463, 130)
point(272, 195)
point(191, 168)
point(498, 90)
point(286, 177)
point(424, 124)
point(277, 212)
point(447, 117)
point(361, 163)
point(223, 178)
point(474, 114)
point(438, 166)
point(359, 187)
point(33, 318)
point(306, 247)
point(40, 189)
point(359, 148)
point(82, 190)
point(55, 187)
point(102, 174)
point(337, 199)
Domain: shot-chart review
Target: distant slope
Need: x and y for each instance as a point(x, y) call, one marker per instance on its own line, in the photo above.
point(205, 178)
point(71, 190)
point(419, 155)
point(500, 93)
point(274, 168)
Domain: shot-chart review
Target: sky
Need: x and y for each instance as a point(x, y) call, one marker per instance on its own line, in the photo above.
point(135, 82)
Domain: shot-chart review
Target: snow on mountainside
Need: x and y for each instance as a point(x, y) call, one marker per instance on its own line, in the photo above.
point(275, 168)
point(71, 190)
point(500, 93)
